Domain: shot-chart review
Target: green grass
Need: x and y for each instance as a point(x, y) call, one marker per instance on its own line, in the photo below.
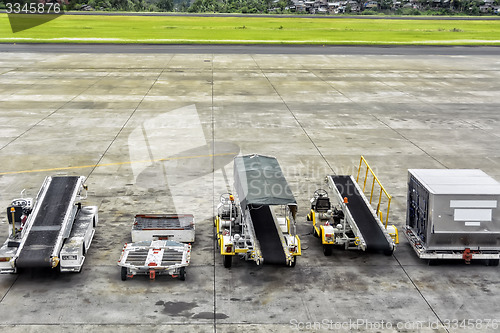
point(251, 30)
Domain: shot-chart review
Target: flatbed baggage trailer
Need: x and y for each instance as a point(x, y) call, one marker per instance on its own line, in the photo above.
point(53, 230)
point(157, 257)
point(158, 246)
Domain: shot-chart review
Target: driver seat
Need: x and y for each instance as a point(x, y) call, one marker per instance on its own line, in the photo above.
point(322, 204)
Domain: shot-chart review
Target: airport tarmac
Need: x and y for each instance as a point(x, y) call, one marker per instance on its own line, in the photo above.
point(157, 132)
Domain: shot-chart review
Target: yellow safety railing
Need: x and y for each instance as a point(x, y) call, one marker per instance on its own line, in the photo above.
point(382, 189)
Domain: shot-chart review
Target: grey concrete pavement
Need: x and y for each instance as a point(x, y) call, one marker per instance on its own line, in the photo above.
point(143, 49)
point(157, 133)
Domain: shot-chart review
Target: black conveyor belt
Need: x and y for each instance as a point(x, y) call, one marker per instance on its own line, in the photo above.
point(267, 234)
point(47, 224)
point(363, 217)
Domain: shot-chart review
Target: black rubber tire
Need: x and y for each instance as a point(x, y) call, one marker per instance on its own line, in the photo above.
point(182, 273)
point(57, 271)
point(294, 261)
point(433, 262)
point(228, 261)
point(492, 262)
point(124, 273)
point(389, 252)
point(314, 232)
point(327, 249)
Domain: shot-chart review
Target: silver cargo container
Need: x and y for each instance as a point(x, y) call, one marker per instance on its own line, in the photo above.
point(453, 210)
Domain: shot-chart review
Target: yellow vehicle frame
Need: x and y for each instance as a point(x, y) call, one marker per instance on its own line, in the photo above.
point(219, 241)
point(299, 249)
point(319, 231)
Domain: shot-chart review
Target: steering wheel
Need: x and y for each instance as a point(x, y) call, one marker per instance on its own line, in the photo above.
point(224, 198)
point(320, 193)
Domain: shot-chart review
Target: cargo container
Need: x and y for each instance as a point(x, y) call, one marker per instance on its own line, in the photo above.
point(453, 214)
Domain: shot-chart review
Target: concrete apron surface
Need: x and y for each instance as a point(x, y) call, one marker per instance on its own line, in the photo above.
point(157, 133)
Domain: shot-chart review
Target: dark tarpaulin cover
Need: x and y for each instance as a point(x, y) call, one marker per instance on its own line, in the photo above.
point(258, 180)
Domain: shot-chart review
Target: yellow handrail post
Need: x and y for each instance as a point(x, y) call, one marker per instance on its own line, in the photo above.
point(359, 168)
point(380, 198)
point(387, 215)
point(366, 176)
point(373, 186)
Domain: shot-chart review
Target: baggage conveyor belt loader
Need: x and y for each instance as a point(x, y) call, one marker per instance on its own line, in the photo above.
point(259, 224)
point(51, 231)
point(352, 223)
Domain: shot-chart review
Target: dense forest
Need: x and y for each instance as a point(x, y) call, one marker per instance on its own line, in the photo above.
point(351, 7)
point(192, 6)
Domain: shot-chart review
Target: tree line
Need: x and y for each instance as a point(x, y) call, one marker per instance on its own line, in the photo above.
point(424, 7)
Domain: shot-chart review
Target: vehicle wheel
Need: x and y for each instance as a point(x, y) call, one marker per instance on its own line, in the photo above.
point(294, 261)
point(228, 260)
point(124, 273)
point(433, 262)
point(314, 232)
point(217, 242)
point(327, 250)
point(389, 252)
point(57, 271)
point(182, 273)
point(492, 262)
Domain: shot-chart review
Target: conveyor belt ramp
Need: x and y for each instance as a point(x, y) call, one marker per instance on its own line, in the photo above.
point(362, 214)
point(52, 216)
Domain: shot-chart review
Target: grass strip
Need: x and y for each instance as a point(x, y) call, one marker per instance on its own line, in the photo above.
point(254, 30)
